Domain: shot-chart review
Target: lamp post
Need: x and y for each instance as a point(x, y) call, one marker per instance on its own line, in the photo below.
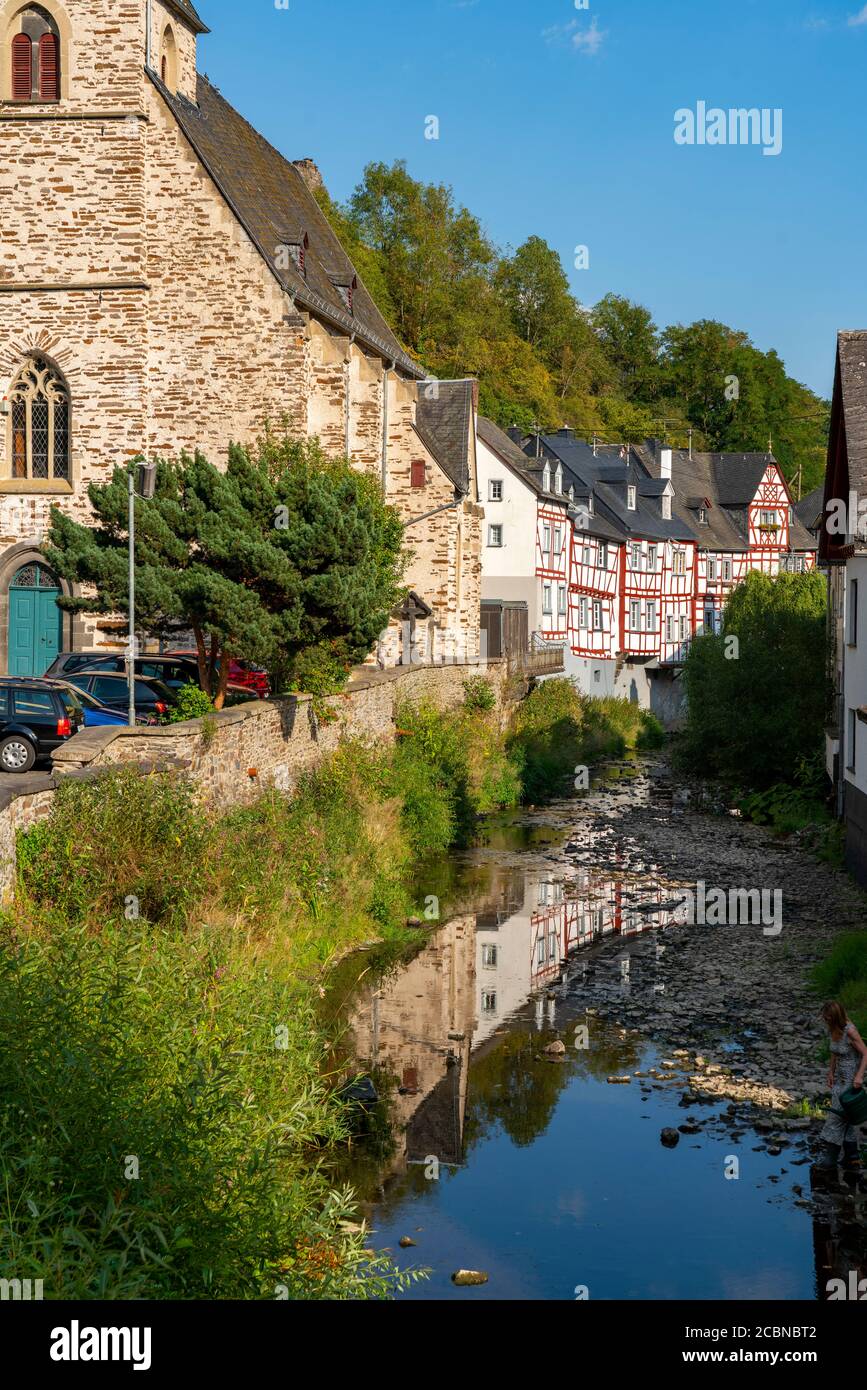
point(142, 478)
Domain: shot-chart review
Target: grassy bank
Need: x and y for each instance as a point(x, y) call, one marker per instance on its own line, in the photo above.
point(163, 1078)
point(843, 975)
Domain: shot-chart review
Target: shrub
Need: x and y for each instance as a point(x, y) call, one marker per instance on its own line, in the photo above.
point(192, 703)
point(479, 694)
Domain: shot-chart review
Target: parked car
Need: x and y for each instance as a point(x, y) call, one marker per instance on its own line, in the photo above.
point(153, 700)
point(36, 717)
point(243, 675)
point(175, 671)
point(96, 715)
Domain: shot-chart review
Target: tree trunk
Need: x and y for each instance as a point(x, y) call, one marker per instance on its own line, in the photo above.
point(220, 697)
point(202, 659)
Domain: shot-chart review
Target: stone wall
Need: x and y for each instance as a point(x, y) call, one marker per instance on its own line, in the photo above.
point(236, 754)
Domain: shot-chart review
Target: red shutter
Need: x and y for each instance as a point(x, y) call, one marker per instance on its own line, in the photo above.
point(417, 473)
point(49, 67)
point(22, 57)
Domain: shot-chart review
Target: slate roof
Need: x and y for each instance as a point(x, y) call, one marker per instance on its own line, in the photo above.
point(852, 366)
point(445, 425)
point(272, 202)
point(187, 11)
point(608, 474)
point(810, 509)
point(530, 471)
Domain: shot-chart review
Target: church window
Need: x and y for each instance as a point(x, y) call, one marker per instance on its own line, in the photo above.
point(35, 57)
point(39, 423)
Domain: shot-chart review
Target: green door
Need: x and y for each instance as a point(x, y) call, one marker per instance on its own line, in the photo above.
point(34, 621)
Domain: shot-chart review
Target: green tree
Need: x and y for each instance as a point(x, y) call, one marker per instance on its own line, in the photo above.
point(283, 556)
point(756, 706)
point(630, 341)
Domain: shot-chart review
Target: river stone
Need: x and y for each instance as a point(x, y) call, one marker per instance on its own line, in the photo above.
point(555, 1049)
point(406, 1241)
point(670, 1138)
point(467, 1277)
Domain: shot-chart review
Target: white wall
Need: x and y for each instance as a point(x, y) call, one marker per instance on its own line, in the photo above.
point(855, 679)
point(509, 570)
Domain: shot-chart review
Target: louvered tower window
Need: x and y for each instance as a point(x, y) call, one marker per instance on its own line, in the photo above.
point(35, 57)
point(22, 68)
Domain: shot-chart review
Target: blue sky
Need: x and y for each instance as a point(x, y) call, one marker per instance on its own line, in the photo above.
point(560, 122)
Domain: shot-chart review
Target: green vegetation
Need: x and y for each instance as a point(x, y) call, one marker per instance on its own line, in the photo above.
point(286, 558)
point(167, 1096)
point(843, 975)
point(757, 691)
point(557, 728)
point(464, 307)
point(193, 703)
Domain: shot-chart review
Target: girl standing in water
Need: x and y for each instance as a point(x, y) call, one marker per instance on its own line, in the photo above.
point(848, 1065)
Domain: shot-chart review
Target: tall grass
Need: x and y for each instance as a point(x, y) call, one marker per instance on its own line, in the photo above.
point(843, 975)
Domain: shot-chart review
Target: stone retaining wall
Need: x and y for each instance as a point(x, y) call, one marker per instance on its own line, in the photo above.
point(233, 755)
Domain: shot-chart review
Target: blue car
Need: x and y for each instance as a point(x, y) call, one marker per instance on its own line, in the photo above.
point(95, 715)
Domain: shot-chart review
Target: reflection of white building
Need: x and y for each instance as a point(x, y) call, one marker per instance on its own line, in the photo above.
point(524, 953)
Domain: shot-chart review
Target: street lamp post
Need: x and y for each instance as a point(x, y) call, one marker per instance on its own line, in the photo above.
point(143, 474)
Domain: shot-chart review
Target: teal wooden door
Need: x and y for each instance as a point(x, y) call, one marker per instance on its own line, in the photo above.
point(34, 621)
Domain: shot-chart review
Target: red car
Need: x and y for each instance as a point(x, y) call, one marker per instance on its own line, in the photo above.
point(241, 673)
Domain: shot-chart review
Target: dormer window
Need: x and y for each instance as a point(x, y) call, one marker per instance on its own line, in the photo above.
point(591, 505)
point(346, 289)
point(35, 57)
point(631, 497)
point(702, 516)
point(293, 252)
point(558, 480)
point(571, 494)
point(546, 477)
point(666, 507)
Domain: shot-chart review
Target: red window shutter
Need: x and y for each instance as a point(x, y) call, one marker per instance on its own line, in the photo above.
point(22, 57)
point(49, 67)
point(417, 473)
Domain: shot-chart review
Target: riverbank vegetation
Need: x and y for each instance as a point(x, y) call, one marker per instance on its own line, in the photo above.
point(843, 975)
point(166, 1095)
point(757, 699)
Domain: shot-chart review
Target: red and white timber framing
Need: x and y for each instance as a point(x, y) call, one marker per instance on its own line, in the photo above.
point(553, 546)
point(594, 611)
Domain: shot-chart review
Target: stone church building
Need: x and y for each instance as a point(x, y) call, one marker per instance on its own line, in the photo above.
point(168, 281)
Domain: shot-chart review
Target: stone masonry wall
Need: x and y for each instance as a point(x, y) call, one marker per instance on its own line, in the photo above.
point(240, 752)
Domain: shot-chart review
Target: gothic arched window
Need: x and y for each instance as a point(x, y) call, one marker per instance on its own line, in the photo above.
point(39, 423)
point(35, 57)
point(169, 60)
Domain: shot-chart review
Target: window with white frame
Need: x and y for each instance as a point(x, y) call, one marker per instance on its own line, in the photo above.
point(546, 598)
point(684, 628)
point(561, 598)
point(597, 614)
point(546, 477)
point(558, 480)
point(853, 613)
point(711, 570)
point(768, 521)
point(702, 516)
point(631, 498)
point(652, 556)
point(727, 571)
point(669, 628)
point(489, 955)
point(635, 615)
point(603, 555)
point(709, 619)
point(582, 611)
point(558, 540)
point(495, 535)
point(666, 507)
point(495, 490)
point(546, 539)
point(585, 554)
point(635, 556)
point(651, 615)
point(489, 1001)
point(678, 562)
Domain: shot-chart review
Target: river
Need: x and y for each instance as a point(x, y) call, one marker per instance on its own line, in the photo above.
point(545, 1169)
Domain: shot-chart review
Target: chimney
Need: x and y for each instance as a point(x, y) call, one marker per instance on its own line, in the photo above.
point(309, 172)
point(665, 463)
